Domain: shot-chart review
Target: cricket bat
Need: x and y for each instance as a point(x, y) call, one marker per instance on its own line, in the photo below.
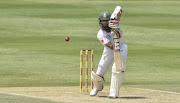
point(116, 42)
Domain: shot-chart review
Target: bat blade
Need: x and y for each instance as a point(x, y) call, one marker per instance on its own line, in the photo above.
point(117, 60)
point(116, 42)
point(117, 54)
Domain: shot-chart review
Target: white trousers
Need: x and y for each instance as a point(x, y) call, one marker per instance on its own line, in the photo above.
point(108, 59)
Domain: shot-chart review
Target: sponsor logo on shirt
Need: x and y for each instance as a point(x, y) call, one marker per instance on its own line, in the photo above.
point(104, 58)
point(102, 41)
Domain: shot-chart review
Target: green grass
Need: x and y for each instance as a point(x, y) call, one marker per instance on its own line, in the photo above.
point(33, 51)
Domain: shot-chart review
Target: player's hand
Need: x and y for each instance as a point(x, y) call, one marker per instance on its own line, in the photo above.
point(113, 24)
point(117, 33)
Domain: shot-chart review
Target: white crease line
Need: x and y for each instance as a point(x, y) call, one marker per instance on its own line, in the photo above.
point(22, 95)
point(159, 91)
point(68, 92)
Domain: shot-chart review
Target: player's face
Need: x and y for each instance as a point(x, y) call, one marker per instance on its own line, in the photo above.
point(104, 22)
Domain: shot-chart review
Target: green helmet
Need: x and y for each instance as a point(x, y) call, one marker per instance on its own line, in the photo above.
point(104, 16)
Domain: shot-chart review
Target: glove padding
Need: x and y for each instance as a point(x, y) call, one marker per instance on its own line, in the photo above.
point(113, 24)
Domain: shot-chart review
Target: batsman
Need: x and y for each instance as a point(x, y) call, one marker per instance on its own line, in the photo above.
point(115, 50)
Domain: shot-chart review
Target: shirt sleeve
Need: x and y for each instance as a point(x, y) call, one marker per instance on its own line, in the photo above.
point(106, 38)
point(103, 37)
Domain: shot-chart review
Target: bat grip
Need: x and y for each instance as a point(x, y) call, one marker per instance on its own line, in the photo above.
point(116, 44)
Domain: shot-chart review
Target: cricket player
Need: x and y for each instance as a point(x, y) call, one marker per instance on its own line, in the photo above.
point(105, 36)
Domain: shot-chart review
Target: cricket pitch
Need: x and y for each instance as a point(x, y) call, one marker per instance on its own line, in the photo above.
point(71, 94)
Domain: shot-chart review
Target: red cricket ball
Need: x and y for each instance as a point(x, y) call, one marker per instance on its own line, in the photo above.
point(67, 38)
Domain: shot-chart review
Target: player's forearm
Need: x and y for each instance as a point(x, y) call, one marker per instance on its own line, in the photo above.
point(110, 45)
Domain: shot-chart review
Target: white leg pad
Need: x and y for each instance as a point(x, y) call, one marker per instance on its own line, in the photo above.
point(98, 81)
point(116, 81)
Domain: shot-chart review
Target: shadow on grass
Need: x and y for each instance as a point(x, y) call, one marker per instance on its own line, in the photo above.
point(127, 97)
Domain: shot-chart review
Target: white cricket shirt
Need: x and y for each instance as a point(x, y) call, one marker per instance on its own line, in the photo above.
point(105, 37)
